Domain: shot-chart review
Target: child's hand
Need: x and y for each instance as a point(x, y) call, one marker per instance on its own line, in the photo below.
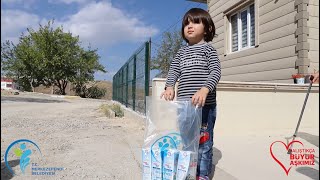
point(315, 78)
point(168, 94)
point(199, 98)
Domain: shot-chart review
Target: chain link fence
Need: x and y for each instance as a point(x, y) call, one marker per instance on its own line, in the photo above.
point(131, 82)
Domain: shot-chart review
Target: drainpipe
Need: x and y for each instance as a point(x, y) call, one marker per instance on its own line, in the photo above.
point(303, 62)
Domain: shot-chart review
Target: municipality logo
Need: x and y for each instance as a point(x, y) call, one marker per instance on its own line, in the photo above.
point(23, 150)
point(28, 154)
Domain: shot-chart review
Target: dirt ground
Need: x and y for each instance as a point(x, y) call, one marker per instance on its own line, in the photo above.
point(73, 134)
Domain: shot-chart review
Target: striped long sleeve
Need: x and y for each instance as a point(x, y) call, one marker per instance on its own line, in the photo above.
point(174, 71)
point(214, 69)
point(195, 66)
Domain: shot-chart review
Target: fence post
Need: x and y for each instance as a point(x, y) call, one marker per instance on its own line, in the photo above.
point(117, 87)
point(113, 86)
point(134, 82)
point(127, 82)
point(147, 72)
point(121, 86)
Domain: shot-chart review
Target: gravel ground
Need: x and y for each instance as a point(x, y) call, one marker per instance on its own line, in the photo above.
point(73, 134)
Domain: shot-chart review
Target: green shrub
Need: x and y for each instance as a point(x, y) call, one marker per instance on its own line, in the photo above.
point(96, 92)
point(91, 92)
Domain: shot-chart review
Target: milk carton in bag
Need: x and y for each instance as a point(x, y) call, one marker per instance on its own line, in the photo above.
point(156, 164)
point(179, 131)
point(187, 165)
point(170, 161)
point(146, 164)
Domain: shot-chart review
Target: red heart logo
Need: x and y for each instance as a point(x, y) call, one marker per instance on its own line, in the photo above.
point(287, 148)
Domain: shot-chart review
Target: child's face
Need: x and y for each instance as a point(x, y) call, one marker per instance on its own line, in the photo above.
point(194, 32)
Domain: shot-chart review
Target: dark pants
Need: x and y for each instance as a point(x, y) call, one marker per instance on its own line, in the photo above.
point(205, 153)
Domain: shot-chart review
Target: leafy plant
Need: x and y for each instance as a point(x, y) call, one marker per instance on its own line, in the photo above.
point(171, 43)
point(96, 92)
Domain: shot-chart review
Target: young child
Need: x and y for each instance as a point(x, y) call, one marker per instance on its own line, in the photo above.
point(198, 67)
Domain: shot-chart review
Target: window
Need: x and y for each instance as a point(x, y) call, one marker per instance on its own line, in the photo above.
point(242, 34)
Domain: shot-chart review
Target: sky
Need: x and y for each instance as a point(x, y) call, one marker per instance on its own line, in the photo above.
point(115, 27)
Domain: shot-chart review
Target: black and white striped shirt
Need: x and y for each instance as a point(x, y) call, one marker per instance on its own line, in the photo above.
point(195, 66)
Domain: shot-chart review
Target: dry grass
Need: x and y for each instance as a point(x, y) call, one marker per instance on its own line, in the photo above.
point(105, 109)
point(106, 85)
point(111, 111)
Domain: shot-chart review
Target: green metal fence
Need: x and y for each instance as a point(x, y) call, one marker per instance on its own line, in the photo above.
point(131, 82)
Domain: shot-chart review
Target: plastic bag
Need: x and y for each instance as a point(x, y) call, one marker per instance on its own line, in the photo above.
point(170, 149)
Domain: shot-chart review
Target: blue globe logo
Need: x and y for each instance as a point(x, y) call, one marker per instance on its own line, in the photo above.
point(22, 149)
point(166, 142)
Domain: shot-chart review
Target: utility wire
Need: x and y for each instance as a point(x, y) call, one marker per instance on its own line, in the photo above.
point(175, 23)
point(157, 45)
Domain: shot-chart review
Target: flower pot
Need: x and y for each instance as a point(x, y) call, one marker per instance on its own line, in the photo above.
point(300, 80)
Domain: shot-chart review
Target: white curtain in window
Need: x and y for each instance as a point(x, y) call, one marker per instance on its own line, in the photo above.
point(234, 32)
point(244, 28)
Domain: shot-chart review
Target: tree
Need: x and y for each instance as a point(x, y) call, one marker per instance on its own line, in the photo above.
point(85, 73)
point(171, 43)
point(23, 70)
point(50, 56)
point(7, 57)
point(59, 53)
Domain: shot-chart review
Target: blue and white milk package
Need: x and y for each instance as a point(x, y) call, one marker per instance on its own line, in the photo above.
point(146, 164)
point(156, 164)
point(187, 165)
point(170, 161)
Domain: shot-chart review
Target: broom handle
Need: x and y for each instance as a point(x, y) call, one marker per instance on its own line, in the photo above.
point(303, 107)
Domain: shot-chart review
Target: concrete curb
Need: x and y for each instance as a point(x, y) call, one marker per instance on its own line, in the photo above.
point(65, 97)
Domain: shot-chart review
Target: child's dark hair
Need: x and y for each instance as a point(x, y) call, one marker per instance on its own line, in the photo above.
point(197, 15)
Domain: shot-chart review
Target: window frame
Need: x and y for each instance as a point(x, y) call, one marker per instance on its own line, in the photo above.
point(239, 24)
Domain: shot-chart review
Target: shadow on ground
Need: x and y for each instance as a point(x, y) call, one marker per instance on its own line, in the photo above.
point(309, 171)
point(217, 155)
point(313, 139)
point(217, 173)
point(24, 99)
point(5, 173)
